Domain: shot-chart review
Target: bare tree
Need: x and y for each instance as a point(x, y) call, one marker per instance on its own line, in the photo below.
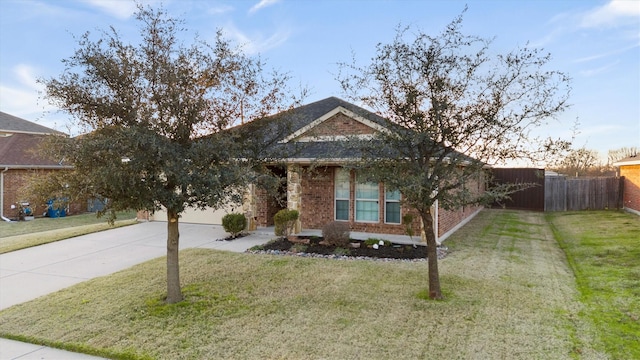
point(621, 153)
point(453, 108)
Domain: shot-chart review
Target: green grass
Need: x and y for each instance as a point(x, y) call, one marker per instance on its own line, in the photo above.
point(45, 223)
point(248, 306)
point(603, 248)
point(24, 234)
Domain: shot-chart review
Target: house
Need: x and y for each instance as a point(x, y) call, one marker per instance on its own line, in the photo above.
point(630, 169)
point(19, 138)
point(317, 184)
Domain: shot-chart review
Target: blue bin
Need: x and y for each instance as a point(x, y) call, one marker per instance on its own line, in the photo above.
point(57, 212)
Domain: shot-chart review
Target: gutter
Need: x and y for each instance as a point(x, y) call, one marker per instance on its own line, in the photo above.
point(6, 168)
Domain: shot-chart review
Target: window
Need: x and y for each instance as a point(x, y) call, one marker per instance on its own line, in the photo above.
point(392, 207)
point(367, 195)
point(342, 188)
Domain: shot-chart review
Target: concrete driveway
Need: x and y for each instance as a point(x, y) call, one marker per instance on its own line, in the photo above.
point(30, 273)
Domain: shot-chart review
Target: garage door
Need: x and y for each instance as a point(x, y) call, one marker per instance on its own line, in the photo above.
point(197, 216)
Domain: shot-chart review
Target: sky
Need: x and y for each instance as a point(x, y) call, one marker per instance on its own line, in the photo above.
point(595, 42)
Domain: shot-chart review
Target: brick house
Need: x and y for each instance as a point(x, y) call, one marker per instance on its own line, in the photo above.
point(317, 184)
point(19, 162)
point(630, 169)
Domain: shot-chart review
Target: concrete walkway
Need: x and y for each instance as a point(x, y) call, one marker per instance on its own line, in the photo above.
point(30, 273)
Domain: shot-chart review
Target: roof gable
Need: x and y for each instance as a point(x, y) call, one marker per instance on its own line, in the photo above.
point(335, 125)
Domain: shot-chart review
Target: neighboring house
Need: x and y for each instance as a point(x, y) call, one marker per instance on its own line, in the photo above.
point(19, 161)
point(630, 169)
point(319, 187)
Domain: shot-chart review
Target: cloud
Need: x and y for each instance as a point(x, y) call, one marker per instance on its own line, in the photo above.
point(23, 96)
point(262, 4)
point(602, 69)
point(607, 54)
point(118, 8)
point(613, 14)
point(257, 43)
point(217, 10)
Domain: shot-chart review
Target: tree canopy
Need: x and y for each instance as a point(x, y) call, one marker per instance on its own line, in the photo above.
point(157, 115)
point(456, 108)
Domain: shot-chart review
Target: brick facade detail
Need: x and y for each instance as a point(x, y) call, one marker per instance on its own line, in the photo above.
point(316, 189)
point(339, 124)
point(631, 197)
point(13, 192)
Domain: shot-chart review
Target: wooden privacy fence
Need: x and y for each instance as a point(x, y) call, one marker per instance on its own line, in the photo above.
point(566, 194)
point(531, 198)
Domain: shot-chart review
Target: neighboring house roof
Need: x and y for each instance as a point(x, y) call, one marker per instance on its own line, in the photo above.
point(19, 142)
point(14, 124)
point(631, 160)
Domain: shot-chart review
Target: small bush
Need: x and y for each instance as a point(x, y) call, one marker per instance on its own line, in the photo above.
point(407, 221)
point(285, 221)
point(298, 248)
point(336, 233)
point(340, 251)
point(234, 223)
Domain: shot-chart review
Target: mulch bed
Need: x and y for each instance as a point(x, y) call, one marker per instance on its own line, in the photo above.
point(313, 246)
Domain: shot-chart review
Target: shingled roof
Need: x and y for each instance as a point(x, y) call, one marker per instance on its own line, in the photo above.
point(284, 129)
point(19, 142)
point(14, 124)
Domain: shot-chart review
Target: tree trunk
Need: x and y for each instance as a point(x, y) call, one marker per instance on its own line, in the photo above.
point(174, 294)
point(432, 256)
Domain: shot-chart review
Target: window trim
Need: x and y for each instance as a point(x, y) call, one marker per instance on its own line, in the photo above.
point(335, 194)
point(386, 200)
point(356, 200)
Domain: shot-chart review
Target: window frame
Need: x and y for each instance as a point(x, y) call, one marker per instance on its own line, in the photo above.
point(366, 200)
point(339, 172)
point(393, 201)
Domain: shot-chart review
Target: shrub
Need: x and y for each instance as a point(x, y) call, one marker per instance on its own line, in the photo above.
point(285, 221)
point(341, 251)
point(298, 248)
point(407, 221)
point(336, 233)
point(234, 223)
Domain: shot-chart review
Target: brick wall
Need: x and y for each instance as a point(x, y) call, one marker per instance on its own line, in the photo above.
point(318, 204)
point(631, 197)
point(14, 184)
point(340, 124)
point(448, 219)
point(266, 208)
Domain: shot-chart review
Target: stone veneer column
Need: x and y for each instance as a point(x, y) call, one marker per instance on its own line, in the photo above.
point(294, 192)
point(250, 208)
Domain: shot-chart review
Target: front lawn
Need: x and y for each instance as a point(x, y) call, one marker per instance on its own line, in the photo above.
point(509, 295)
point(603, 248)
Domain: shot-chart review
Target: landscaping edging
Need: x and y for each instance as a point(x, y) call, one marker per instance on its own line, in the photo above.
point(442, 253)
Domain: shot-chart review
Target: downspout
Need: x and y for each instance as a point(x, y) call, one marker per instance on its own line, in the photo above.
point(2, 195)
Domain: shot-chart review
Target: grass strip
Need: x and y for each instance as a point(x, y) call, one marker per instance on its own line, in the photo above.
point(509, 294)
point(41, 224)
point(18, 242)
point(603, 248)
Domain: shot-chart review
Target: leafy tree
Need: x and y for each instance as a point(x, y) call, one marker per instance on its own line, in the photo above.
point(455, 108)
point(147, 108)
